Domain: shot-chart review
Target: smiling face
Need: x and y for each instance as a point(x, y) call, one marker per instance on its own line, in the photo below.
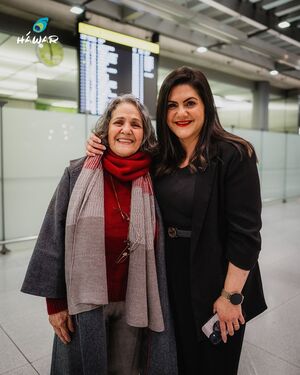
point(186, 114)
point(125, 130)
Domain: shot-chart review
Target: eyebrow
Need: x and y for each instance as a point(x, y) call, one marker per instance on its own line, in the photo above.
point(123, 118)
point(174, 101)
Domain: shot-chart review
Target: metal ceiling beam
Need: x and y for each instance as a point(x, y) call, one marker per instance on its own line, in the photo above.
point(181, 15)
point(294, 19)
point(192, 29)
point(291, 16)
point(54, 10)
point(184, 34)
point(253, 12)
point(192, 3)
point(228, 65)
point(237, 52)
point(269, 4)
point(226, 78)
point(288, 5)
point(198, 22)
point(177, 31)
point(106, 8)
point(129, 15)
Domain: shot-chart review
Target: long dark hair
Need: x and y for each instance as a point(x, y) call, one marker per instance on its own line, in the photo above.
point(171, 152)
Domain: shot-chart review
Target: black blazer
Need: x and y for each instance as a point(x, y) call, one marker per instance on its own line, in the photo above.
point(225, 228)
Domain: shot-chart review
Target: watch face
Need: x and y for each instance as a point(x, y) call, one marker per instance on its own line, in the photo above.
point(236, 298)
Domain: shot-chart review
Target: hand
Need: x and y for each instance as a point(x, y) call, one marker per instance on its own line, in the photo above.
point(230, 317)
point(62, 325)
point(94, 146)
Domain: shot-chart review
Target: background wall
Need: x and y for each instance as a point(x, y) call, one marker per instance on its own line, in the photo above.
point(39, 144)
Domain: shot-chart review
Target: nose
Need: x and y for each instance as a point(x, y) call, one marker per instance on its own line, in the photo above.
point(181, 110)
point(126, 128)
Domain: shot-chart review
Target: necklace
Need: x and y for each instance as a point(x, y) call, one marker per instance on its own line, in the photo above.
point(126, 251)
point(123, 214)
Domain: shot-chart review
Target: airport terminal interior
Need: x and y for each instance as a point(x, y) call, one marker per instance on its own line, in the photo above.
point(61, 61)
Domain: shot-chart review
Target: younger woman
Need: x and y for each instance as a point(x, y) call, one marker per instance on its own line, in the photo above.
point(207, 186)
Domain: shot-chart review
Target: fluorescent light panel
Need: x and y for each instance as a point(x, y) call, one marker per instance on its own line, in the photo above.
point(201, 49)
point(77, 9)
point(284, 25)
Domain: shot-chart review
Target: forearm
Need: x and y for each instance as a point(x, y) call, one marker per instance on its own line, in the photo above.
point(235, 279)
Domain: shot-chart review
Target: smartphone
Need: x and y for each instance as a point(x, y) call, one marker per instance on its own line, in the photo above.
point(212, 330)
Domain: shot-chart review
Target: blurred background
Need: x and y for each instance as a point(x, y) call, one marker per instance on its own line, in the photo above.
point(55, 78)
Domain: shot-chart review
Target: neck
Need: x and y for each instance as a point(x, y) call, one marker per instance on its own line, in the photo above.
point(189, 147)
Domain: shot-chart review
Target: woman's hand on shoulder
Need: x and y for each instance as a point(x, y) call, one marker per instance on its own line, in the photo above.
point(62, 325)
point(230, 317)
point(94, 146)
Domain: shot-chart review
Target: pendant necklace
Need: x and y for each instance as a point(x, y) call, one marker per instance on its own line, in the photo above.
point(125, 217)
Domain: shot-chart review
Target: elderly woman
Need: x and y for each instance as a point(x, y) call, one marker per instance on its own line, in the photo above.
point(99, 260)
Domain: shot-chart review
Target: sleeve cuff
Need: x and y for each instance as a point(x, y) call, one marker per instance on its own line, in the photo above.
point(241, 262)
point(55, 305)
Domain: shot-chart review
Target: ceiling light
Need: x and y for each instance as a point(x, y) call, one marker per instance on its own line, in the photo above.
point(274, 72)
point(77, 9)
point(201, 49)
point(284, 24)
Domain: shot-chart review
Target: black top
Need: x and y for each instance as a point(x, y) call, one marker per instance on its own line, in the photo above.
point(175, 193)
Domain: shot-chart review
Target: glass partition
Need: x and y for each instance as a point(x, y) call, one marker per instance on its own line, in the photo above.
point(292, 165)
point(284, 114)
point(39, 144)
point(37, 147)
point(278, 162)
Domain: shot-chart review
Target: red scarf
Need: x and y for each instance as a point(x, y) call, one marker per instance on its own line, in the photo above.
point(126, 169)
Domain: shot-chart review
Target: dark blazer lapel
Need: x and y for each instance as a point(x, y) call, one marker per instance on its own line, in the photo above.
point(203, 188)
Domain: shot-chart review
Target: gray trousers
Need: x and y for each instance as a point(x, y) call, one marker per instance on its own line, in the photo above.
point(123, 341)
point(102, 344)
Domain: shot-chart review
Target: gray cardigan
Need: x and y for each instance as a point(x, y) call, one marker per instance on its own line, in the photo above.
point(86, 354)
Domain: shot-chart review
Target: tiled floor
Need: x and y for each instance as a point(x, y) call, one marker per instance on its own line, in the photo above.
point(272, 343)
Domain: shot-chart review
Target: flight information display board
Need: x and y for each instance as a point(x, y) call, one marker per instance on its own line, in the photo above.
point(112, 64)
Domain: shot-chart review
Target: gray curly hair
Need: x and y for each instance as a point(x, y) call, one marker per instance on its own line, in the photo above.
point(149, 143)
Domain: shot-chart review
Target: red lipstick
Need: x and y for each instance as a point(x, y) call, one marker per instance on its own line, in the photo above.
point(182, 124)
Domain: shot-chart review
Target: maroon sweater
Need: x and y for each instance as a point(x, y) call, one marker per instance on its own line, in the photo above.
point(116, 231)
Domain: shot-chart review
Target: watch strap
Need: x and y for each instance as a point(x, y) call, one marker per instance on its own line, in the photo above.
point(225, 294)
point(235, 298)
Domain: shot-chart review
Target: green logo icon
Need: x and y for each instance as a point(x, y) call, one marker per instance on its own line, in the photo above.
point(40, 25)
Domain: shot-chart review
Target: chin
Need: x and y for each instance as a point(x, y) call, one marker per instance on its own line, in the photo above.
point(124, 153)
